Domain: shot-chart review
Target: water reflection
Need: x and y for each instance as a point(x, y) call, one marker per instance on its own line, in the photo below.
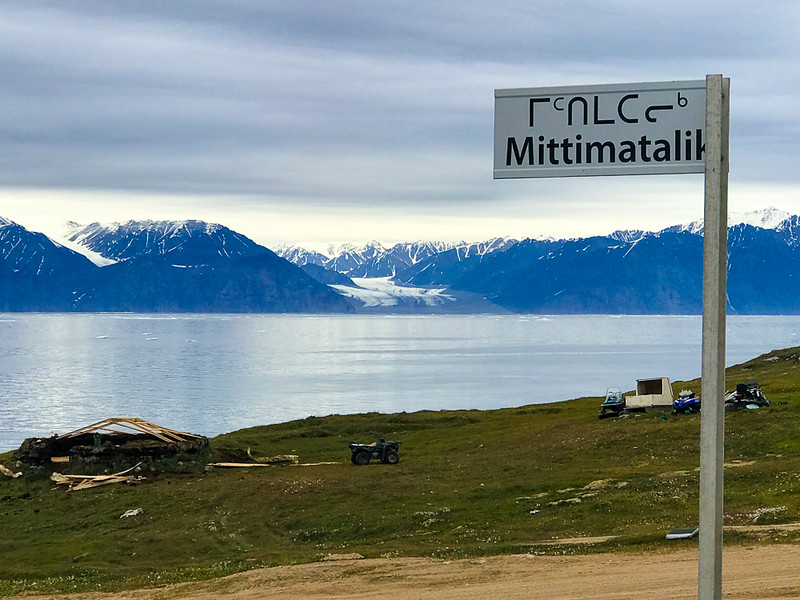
point(215, 373)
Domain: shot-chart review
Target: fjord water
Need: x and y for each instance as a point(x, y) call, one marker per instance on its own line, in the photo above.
point(210, 374)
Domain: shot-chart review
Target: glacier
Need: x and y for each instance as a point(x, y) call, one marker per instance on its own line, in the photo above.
point(383, 292)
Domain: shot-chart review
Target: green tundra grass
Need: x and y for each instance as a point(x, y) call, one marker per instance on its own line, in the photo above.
point(468, 483)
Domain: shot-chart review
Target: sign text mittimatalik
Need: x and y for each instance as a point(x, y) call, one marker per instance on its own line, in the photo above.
point(620, 129)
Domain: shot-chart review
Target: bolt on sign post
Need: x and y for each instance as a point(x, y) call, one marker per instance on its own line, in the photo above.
point(643, 129)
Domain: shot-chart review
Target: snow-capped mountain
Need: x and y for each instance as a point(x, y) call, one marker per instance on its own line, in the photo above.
point(30, 253)
point(120, 241)
point(632, 271)
point(37, 274)
point(360, 259)
point(627, 235)
point(789, 230)
point(372, 259)
point(765, 218)
point(354, 260)
point(186, 266)
point(301, 255)
point(466, 250)
point(159, 266)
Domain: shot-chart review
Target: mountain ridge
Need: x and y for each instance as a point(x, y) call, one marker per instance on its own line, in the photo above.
point(154, 266)
point(192, 265)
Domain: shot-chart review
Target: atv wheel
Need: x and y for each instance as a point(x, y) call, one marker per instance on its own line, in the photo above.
point(392, 458)
point(361, 458)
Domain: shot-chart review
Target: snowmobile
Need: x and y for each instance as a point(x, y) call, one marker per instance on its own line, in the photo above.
point(686, 402)
point(613, 405)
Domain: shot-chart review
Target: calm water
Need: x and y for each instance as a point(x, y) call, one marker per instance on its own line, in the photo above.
point(211, 374)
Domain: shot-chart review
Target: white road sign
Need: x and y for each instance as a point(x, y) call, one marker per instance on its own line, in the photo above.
point(619, 129)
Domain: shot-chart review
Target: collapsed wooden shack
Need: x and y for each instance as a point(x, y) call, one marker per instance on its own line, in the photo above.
point(118, 442)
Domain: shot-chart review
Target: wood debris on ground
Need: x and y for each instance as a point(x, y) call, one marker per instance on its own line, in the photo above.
point(84, 482)
point(235, 465)
point(266, 461)
point(278, 458)
point(274, 461)
point(9, 473)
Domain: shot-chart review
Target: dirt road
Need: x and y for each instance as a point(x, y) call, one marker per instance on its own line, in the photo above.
point(752, 572)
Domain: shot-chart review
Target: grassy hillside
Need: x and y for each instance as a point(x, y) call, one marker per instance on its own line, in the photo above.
point(468, 483)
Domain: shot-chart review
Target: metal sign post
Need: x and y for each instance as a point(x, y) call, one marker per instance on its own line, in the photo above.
point(644, 129)
point(712, 427)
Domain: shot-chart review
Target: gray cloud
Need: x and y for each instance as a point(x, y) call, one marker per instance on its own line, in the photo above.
point(355, 102)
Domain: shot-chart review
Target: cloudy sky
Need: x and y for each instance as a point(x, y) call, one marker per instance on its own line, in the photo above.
point(347, 120)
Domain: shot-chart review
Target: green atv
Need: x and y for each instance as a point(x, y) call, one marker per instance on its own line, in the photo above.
point(386, 452)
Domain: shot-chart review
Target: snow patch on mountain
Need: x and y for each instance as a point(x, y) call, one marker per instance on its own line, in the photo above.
point(496, 244)
point(74, 239)
point(95, 257)
point(628, 235)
